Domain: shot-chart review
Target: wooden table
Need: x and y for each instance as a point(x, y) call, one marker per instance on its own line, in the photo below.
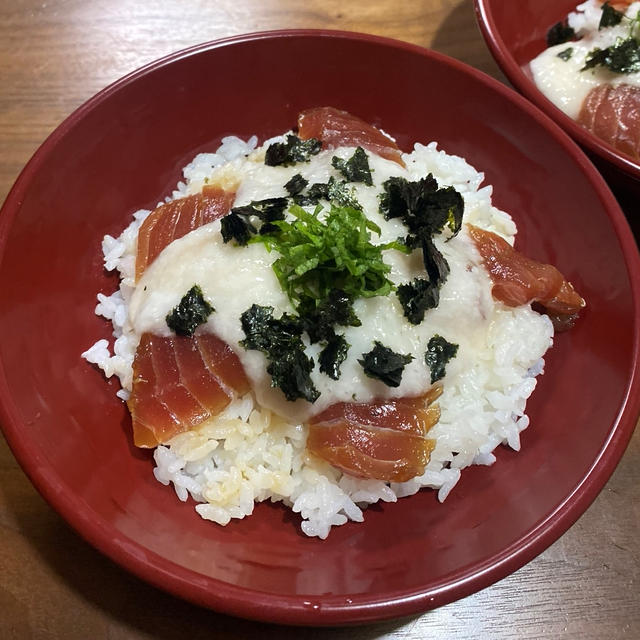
point(56, 54)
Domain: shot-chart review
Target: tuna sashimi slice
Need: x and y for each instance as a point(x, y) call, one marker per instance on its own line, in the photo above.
point(519, 280)
point(621, 5)
point(175, 219)
point(613, 115)
point(384, 439)
point(180, 382)
point(336, 128)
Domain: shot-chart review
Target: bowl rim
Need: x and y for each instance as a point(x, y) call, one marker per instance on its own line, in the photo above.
point(528, 88)
point(326, 610)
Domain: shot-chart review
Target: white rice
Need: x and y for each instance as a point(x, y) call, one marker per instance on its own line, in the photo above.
point(586, 17)
point(248, 454)
point(585, 21)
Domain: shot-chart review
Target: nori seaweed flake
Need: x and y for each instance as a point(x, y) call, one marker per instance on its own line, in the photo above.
point(384, 364)
point(292, 151)
point(333, 355)
point(610, 17)
point(356, 168)
point(192, 311)
point(296, 185)
point(280, 340)
point(566, 54)
point(558, 34)
point(439, 352)
point(621, 57)
point(417, 297)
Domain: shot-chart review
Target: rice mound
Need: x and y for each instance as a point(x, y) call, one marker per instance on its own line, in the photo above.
point(585, 18)
point(248, 454)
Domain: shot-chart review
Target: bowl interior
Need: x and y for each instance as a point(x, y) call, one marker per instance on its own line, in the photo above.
point(124, 150)
point(516, 33)
point(523, 25)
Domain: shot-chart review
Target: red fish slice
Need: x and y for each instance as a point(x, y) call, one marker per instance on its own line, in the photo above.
point(180, 382)
point(383, 439)
point(621, 5)
point(177, 218)
point(336, 128)
point(519, 280)
point(613, 115)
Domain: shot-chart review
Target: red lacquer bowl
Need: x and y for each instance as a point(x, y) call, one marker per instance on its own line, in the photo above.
point(124, 149)
point(516, 33)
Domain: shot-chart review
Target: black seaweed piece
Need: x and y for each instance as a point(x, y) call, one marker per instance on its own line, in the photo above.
point(436, 266)
point(319, 319)
point(280, 341)
point(445, 206)
point(271, 209)
point(318, 191)
point(622, 57)
point(290, 372)
point(245, 210)
point(596, 57)
point(402, 198)
point(439, 352)
point(356, 168)
point(566, 54)
point(302, 149)
point(236, 227)
point(303, 200)
point(333, 355)
point(610, 17)
point(341, 194)
point(423, 207)
point(434, 262)
point(276, 154)
point(255, 324)
point(336, 191)
point(267, 210)
point(559, 33)
point(417, 297)
point(384, 364)
point(289, 326)
point(192, 311)
point(268, 227)
point(296, 185)
point(292, 151)
point(263, 331)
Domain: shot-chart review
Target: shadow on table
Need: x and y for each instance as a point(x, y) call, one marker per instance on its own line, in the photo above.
point(469, 45)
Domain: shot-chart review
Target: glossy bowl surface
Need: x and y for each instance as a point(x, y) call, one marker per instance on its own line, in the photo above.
point(516, 33)
point(124, 149)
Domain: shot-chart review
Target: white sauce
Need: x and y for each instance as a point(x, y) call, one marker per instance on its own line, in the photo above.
point(233, 278)
point(561, 80)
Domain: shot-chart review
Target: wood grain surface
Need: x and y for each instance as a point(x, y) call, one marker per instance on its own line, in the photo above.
point(56, 54)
